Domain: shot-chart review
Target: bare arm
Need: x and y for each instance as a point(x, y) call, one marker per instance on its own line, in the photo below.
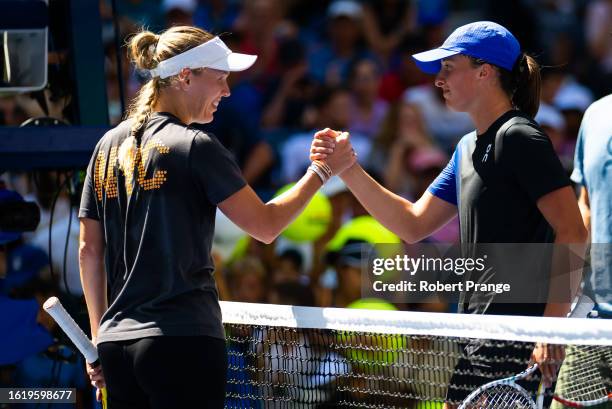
point(385, 43)
point(266, 221)
point(560, 209)
point(93, 276)
point(412, 222)
point(585, 208)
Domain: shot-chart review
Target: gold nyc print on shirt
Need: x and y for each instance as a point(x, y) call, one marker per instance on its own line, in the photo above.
point(106, 178)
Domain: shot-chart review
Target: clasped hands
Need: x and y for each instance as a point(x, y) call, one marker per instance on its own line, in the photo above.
point(334, 149)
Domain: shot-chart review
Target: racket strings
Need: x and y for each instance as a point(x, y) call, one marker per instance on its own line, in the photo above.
point(502, 397)
point(586, 373)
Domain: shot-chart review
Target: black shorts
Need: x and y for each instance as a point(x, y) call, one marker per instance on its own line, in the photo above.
point(165, 372)
point(487, 361)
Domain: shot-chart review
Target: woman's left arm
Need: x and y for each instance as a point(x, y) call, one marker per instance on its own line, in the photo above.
point(560, 208)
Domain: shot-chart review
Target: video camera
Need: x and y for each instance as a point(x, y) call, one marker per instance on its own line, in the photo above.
point(16, 215)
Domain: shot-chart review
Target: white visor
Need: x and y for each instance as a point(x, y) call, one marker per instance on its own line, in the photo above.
point(211, 54)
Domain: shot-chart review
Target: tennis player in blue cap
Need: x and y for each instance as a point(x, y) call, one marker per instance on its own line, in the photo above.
point(504, 179)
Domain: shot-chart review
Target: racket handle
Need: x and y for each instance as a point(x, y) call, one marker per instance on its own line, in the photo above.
point(104, 398)
point(583, 306)
point(54, 308)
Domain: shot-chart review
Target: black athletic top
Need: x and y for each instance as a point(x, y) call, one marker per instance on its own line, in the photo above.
point(158, 219)
point(495, 180)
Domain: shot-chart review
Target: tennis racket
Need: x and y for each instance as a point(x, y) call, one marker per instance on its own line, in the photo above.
point(502, 394)
point(585, 378)
point(506, 393)
point(54, 308)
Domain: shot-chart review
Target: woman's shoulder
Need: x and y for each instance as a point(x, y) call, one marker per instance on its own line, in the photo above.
point(115, 135)
point(521, 135)
point(202, 136)
point(522, 128)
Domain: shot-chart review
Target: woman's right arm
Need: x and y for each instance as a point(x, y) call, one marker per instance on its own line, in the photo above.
point(93, 276)
point(412, 222)
point(93, 279)
point(265, 221)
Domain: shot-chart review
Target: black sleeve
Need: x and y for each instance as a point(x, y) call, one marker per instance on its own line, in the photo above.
point(214, 169)
point(89, 203)
point(528, 154)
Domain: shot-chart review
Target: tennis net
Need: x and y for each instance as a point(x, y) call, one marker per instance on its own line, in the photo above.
point(305, 357)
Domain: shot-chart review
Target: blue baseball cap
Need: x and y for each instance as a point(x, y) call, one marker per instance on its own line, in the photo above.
point(483, 39)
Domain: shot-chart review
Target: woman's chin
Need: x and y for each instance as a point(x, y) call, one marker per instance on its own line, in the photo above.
point(204, 119)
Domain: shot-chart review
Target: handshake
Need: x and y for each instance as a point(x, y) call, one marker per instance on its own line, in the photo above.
point(331, 153)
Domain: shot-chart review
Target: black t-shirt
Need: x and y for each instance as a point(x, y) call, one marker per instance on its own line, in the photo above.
point(503, 174)
point(158, 219)
point(496, 179)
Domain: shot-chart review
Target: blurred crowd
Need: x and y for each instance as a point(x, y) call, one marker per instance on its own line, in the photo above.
point(347, 65)
point(341, 64)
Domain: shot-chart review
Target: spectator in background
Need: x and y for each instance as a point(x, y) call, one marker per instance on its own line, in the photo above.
point(385, 24)
point(340, 285)
point(28, 332)
point(19, 262)
point(289, 267)
point(23, 334)
point(553, 123)
point(329, 63)
point(59, 366)
point(432, 13)
point(518, 16)
point(593, 172)
point(552, 79)
point(561, 91)
point(291, 293)
point(598, 26)
point(331, 109)
point(367, 109)
point(443, 124)
point(11, 113)
point(261, 25)
point(216, 16)
point(403, 73)
point(179, 12)
point(423, 165)
point(572, 100)
point(61, 232)
point(558, 29)
point(246, 279)
point(137, 13)
point(403, 131)
point(347, 263)
point(288, 95)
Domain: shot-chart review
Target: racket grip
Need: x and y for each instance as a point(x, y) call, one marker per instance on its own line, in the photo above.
point(582, 308)
point(54, 308)
point(104, 398)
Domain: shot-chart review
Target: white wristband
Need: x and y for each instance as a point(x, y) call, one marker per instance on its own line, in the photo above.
point(316, 170)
